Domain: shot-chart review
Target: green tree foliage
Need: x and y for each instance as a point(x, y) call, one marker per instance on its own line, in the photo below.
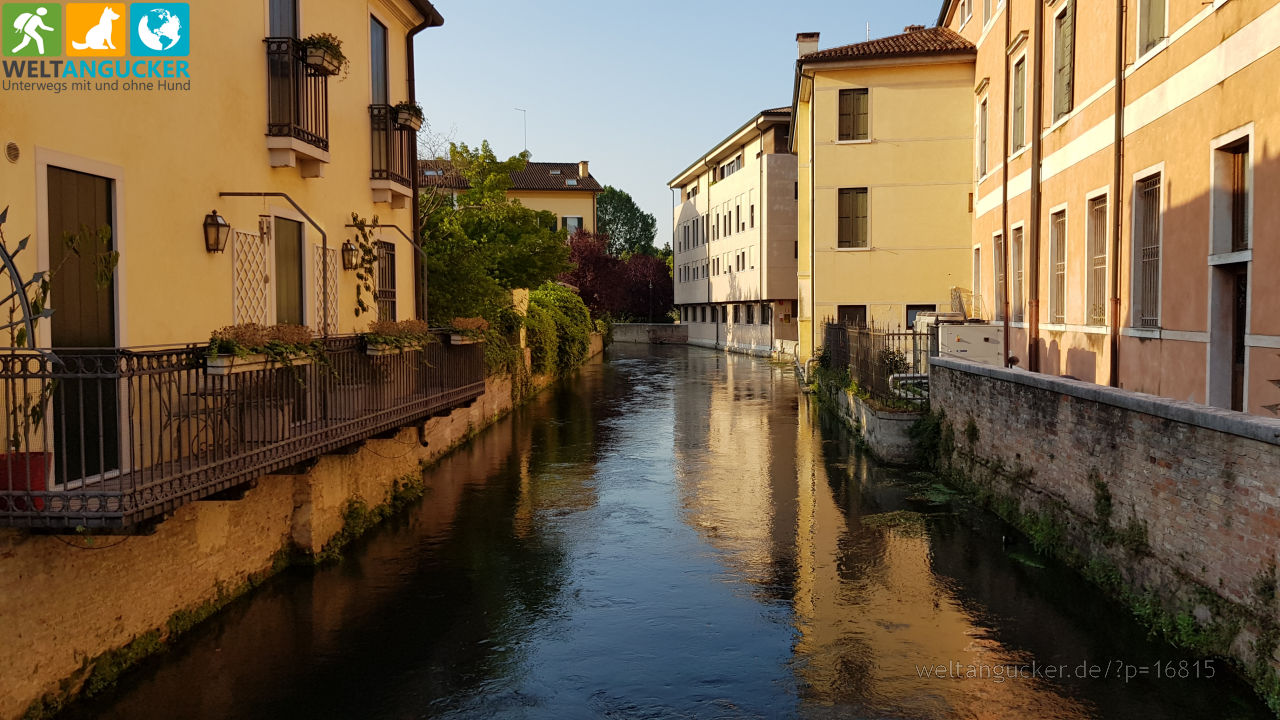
point(630, 229)
point(559, 329)
point(485, 245)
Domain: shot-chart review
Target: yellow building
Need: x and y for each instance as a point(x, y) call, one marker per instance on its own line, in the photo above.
point(1137, 255)
point(566, 190)
point(223, 172)
point(884, 144)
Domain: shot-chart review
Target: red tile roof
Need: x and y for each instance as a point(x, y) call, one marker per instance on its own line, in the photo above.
point(930, 41)
point(535, 176)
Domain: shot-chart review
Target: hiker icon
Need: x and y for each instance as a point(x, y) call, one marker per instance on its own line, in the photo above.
point(30, 25)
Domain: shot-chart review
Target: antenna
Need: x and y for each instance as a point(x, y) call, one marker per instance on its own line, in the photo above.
point(868, 30)
point(526, 128)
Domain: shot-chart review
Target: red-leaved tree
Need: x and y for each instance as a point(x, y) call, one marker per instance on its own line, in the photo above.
point(638, 288)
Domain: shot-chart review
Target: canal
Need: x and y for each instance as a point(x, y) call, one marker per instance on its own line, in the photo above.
point(676, 533)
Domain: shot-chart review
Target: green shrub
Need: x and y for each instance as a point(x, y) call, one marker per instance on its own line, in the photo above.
point(573, 327)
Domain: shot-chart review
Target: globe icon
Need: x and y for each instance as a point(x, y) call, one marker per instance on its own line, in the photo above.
point(160, 30)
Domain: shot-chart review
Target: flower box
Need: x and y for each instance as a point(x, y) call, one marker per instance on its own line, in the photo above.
point(23, 472)
point(410, 120)
point(323, 61)
point(459, 339)
point(382, 349)
point(234, 364)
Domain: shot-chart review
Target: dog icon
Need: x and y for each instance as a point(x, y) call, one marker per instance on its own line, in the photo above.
point(99, 36)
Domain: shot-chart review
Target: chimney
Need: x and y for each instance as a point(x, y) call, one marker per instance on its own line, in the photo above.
point(807, 42)
point(582, 169)
point(912, 28)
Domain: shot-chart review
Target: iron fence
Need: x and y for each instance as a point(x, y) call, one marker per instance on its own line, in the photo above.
point(394, 146)
point(297, 94)
point(110, 438)
point(890, 367)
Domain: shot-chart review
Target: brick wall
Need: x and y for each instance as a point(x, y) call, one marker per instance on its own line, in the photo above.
point(1183, 500)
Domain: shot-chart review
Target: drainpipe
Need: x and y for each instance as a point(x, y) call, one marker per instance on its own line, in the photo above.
point(813, 224)
point(324, 242)
point(711, 175)
point(1004, 183)
point(1113, 378)
point(760, 227)
point(1037, 121)
point(431, 19)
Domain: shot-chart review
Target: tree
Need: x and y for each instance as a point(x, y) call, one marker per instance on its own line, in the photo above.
point(595, 273)
point(630, 229)
point(486, 245)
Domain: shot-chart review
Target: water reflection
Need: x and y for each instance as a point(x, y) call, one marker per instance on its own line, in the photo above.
point(673, 534)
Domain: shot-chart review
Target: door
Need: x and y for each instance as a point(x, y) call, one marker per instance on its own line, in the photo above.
point(1239, 322)
point(85, 421)
point(284, 18)
point(288, 271)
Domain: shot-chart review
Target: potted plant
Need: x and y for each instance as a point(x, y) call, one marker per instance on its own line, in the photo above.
point(467, 331)
point(22, 472)
point(324, 53)
point(250, 346)
point(388, 337)
point(409, 114)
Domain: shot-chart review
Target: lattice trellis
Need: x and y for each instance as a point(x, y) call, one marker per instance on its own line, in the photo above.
point(251, 257)
point(326, 293)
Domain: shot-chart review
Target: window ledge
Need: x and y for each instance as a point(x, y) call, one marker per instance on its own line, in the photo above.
point(1228, 258)
point(862, 249)
point(392, 193)
point(1019, 152)
point(1146, 57)
point(853, 142)
point(1145, 333)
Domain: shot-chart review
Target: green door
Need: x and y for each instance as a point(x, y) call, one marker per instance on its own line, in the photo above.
point(86, 410)
point(288, 275)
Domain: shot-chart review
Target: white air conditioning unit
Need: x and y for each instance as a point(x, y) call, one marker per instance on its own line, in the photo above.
point(973, 342)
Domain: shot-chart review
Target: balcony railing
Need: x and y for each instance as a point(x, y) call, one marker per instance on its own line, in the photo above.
point(394, 147)
point(297, 94)
point(110, 438)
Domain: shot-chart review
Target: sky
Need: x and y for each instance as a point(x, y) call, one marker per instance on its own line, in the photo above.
point(640, 89)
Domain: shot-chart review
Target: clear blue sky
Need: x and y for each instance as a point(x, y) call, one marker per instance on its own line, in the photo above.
point(640, 89)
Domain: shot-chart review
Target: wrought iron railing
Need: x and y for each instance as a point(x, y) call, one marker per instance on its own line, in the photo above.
point(394, 146)
point(889, 367)
point(297, 94)
point(110, 438)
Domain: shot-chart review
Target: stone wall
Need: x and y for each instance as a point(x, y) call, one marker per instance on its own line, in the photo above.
point(886, 433)
point(69, 604)
point(656, 333)
point(1175, 507)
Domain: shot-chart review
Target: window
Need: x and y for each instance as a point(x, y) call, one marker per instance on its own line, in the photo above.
point(378, 61)
point(1147, 250)
point(914, 310)
point(852, 227)
point(1097, 244)
point(766, 314)
point(288, 272)
point(704, 313)
point(1064, 59)
point(738, 215)
point(386, 293)
point(1150, 24)
point(571, 224)
point(284, 18)
point(571, 182)
point(855, 315)
point(1019, 128)
point(982, 138)
point(1231, 197)
point(685, 242)
point(986, 11)
point(737, 314)
point(716, 232)
point(998, 260)
point(751, 314)
point(753, 216)
point(1015, 264)
point(977, 283)
point(1057, 266)
point(853, 114)
point(965, 11)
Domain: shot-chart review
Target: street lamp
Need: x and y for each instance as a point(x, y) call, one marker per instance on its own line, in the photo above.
point(216, 232)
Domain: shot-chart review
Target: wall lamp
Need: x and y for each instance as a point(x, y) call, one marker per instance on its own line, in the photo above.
point(350, 256)
point(216, 232)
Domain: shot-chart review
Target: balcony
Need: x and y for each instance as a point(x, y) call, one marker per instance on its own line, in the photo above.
point(116, 438)
point(297, 109)
point(394, 151)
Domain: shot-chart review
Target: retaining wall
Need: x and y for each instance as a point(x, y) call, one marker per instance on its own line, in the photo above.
point(1172, 504)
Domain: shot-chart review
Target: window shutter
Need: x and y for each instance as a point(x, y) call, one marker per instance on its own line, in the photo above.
point(1065, 61)
point(861, 114)
point(846, 114)
point(860, 218)
point(845, 227)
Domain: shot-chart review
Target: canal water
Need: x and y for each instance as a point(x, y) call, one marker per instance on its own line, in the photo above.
point(677, 533)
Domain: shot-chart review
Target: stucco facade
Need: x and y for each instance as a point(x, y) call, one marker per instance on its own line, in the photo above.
point(1141, 264)
point(159, 159)
point(734, 238)
point(884, 147)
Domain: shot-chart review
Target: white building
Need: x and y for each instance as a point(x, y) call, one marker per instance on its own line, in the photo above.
point(734, 235)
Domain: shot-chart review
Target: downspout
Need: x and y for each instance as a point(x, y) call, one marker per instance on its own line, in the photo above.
point(415, 182)
point(1037, 122)
point(1004, 185)
point(1113, 378)
point(324, 243)
point(813, 225)
point(711, 175)
point(760, 229)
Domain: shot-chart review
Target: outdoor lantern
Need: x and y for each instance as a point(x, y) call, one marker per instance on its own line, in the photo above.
point(216, 232)
point(350, 256)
